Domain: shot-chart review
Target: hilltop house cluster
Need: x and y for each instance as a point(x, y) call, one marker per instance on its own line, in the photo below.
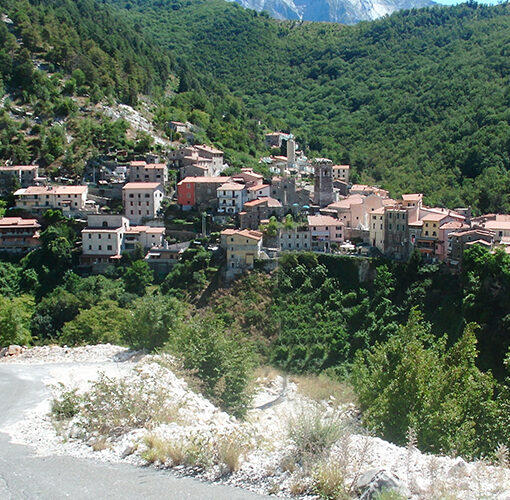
point(335, 215)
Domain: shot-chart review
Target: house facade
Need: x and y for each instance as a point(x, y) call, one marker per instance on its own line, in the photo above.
point(38, 199)
point(231, 197)
point(23, 175)
point(142, 200)
point(242, 248)
point(140, 171)
point(18, 235)
point(324, 230)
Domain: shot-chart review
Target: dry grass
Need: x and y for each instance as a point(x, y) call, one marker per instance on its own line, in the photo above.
point(329, 481)
point(323, 388)
point(312, 434)
point(100, 444)
point(224, 451)
point(229, 451)
point(298, 487)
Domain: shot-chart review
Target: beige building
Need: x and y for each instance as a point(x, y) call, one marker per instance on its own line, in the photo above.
point(107, 236)
point(38, 199)
point(341, 172)
point(296, 238)
point(140, 171)
point(18, 235)
point(142, 200)
point(377, 229)
point(242, 248)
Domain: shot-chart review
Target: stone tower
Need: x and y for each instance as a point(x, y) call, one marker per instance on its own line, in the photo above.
point(323, 182)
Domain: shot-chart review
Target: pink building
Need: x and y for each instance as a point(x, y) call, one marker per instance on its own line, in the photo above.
point(325, 230)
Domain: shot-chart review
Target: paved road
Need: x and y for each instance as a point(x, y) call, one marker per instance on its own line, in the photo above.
point(24, 476)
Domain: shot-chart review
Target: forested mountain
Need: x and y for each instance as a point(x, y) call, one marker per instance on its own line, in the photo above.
point(339, 11)
point(417, 101)
point(64, 61)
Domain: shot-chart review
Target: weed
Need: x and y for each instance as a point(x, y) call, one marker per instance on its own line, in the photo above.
point(66, 405)
point(329, 481)
point(313, 433)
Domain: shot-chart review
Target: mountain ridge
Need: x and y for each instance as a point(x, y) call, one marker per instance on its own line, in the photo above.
point(340, 11)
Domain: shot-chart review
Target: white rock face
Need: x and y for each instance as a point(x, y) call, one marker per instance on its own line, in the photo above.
point(340, 11)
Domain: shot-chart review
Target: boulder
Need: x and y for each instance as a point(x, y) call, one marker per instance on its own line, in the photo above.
point(3, 352)
point(375, 481)
point(14, 350)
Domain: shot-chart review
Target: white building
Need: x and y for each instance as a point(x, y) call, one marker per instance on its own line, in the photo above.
point(231, 197)
point(70, 199)
point(107, 236)
point(258, 191)
point(142, 200)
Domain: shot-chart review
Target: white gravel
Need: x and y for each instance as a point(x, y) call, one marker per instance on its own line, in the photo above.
point(263, 433)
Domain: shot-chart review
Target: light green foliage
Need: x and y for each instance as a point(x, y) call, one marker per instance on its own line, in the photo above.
point(152, 321)
point(413, 381)
point(100, 324)
point(14, 320)
point(223, 360)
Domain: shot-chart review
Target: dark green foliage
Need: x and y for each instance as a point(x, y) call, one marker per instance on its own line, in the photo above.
point(137, 277)
point(190, 273)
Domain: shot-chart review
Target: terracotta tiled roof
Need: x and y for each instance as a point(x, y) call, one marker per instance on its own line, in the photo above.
point(141, 185)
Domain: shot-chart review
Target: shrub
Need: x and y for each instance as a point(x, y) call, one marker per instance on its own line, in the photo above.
point(66, 405)
point(113, 407)
point(329, 482)
point(223, 360)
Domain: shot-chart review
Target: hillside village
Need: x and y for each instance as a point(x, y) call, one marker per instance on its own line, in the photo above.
point(305, 205)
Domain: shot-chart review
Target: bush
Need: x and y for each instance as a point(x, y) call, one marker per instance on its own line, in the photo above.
point(66, 405)
point(151, 321)
point(223, 360)
point(113, 407)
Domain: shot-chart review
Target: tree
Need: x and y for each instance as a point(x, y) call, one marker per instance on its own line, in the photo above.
point(413, 381)
point(223, 360)
point(151, 321)
point(100, 324)
point(137, 277)
point(14, 319)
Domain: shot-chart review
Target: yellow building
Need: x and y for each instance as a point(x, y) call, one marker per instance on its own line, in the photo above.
point(242, 248)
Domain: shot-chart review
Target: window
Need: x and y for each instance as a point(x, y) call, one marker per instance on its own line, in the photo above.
point(99, 236)
point(109, 247)
point(109, 236)
point(426, 233)
point(90, 247)
point(99, 247)
point(147, 195)
point(131, 195)
point(90, 236)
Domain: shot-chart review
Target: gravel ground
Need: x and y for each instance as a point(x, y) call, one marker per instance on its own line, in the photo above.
point(263, 433)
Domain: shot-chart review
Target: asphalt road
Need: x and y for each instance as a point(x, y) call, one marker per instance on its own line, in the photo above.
point(24, 476)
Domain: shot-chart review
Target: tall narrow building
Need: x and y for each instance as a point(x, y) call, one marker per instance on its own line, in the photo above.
point(323, 182)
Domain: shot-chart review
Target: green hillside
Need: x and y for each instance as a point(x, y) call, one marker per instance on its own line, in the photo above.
point(417, 101)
